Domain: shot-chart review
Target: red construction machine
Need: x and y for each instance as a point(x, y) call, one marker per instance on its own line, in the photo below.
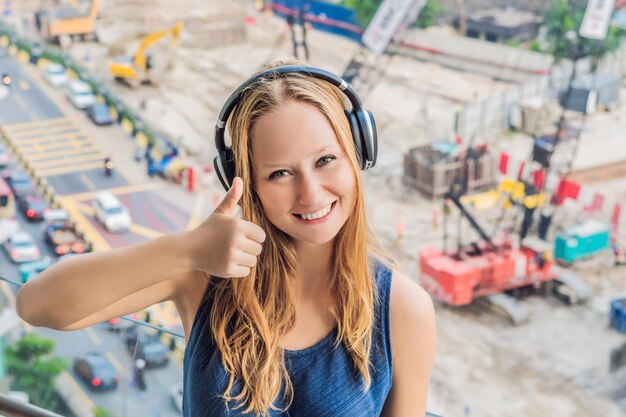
point(495, 270)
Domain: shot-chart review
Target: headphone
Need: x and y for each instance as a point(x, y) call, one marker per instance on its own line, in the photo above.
point(362, 124)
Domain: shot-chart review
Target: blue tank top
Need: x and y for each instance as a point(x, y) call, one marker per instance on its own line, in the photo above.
point(324, 381)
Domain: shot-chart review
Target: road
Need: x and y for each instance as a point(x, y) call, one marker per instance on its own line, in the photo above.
point(62, 146)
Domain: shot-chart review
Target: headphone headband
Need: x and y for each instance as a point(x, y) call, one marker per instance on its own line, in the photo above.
point(276, 72)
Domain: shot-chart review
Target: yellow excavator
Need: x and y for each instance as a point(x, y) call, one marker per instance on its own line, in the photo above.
point(139, 69)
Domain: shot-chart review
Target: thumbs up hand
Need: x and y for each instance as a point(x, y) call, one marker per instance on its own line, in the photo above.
point(225, 245)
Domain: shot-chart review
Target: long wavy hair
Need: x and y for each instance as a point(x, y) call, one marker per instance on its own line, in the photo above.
point(249, 315)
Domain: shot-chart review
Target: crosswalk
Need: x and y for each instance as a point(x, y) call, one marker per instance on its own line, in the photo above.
point(72, 144)
point(54, 146)
point(119, 146)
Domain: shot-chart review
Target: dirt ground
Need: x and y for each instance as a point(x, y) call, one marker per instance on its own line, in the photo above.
point(555, 365)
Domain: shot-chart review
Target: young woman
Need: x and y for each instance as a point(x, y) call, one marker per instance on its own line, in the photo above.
point(292, 308)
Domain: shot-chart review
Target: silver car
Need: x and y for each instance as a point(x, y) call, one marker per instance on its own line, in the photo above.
point(21, 247)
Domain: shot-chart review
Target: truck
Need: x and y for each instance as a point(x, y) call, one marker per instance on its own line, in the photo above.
point(67, 22)
point(60, 234)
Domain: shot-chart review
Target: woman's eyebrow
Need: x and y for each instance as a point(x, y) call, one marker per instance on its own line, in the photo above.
point(324, 149)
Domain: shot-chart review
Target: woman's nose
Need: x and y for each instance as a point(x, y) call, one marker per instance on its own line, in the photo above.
point(309, 187)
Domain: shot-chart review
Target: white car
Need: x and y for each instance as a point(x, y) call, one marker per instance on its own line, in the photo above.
point(79, 93)
point(22, 248)
point(110, 211)
point(55, 75)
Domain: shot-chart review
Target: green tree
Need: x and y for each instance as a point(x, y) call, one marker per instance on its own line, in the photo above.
point(34, 369)
point(562, 20)
point(429, 14)
point(366, 9)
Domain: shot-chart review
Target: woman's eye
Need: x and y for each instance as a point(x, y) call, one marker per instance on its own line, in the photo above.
point(277, 174)
point(324, 160)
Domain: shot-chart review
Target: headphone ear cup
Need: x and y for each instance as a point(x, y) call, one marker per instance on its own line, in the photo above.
point(356, 136)
point(224, 164)
point(369, 139)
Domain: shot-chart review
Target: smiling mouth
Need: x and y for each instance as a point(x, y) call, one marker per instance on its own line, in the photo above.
point(319, 214)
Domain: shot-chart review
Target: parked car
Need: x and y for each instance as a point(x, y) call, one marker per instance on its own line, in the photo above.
point(21, 248)
point(79, 93)
point(100, 114)
point(176, 393)
point(20, 183)
point(55, 75)
point(5, 159)
point(34, 207)
point(146, 346)
point(96, 371)
point(30, 270)
point(110, 211)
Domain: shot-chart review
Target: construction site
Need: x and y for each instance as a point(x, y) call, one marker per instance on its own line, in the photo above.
point(503, 207)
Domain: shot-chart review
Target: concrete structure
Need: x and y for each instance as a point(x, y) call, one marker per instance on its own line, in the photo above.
point(502, 24)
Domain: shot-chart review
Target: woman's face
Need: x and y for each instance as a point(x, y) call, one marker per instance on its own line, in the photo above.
point(304, 180)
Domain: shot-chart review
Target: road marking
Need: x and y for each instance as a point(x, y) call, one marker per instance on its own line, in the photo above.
point(88, 210)
point(99, 243)
point(78, 389)
point(128, 189)
point(24, 85)
point(74, 155)
point(69, 169)
point(118, 366)
point(52, 134)
point(76, 158)
point(55, 146)
point(87, 181)
point(94, 336)
point(29, 125)
point(144, 231)
point(194, 220)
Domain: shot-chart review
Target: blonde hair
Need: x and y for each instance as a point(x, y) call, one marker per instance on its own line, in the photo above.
point(249, 315)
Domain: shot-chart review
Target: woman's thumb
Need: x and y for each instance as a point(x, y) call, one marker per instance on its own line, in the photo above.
point(229, 203)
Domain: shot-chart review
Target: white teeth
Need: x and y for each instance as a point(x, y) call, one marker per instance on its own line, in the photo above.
point(318, 214)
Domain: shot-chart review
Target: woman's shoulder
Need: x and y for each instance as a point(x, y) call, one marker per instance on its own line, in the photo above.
point(412, 315)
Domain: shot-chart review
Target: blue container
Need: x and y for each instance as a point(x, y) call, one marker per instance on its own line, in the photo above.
point(618, 315)
point(581, 241)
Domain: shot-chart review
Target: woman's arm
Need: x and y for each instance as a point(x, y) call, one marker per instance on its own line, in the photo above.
point(413, 339)
point(95, 287)
point(71, 293)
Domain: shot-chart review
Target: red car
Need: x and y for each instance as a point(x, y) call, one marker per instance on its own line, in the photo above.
point(34, 207)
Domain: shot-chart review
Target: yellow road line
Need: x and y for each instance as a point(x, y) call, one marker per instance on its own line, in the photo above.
point(68, 153)
point(36, 126)
point(36, 122)
point(194, 220)
point(78, 389)
point(99, 243)
point(87, 181)
point(53, 146)
point(94, 336)
point(88, 210)
point(144, 231)
point(116, 364)
point(24, 85)
point(50, 134)
point(69, 169)
point(128, 189)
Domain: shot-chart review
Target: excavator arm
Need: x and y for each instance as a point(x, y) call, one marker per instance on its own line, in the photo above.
point(140, 59)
